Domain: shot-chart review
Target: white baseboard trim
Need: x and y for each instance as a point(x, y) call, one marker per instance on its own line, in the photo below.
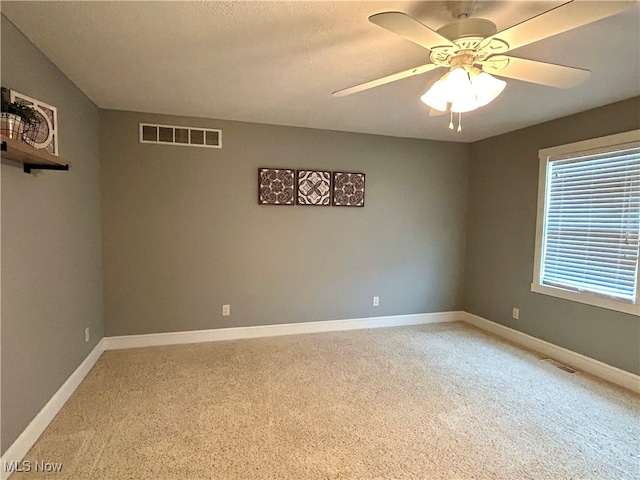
point(236, 333)
point(30, 435)
point(568, 357)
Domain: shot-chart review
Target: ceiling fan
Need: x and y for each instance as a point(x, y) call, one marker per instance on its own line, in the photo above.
point(473, 51)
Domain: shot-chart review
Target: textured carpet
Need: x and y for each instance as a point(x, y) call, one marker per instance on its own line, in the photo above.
point(441, 401)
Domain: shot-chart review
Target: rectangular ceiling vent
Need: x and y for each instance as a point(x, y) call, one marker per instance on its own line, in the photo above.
point(174, 135)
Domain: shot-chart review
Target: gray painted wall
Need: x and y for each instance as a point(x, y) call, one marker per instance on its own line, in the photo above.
point(501, 239)
point(51, 260)
point(184, 234)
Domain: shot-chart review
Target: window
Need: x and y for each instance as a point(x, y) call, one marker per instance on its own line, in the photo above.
point(589, 222)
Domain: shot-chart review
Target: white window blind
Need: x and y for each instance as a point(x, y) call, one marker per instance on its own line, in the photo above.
point(592, 223)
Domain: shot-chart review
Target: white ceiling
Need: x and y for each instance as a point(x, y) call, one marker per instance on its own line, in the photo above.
point(278, 62)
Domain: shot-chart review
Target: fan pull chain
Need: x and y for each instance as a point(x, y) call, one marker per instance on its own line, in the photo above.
point(451, 122)
point(460, 122)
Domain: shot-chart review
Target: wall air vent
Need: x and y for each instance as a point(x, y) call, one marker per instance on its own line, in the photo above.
point(559, 365)
point(174, 135)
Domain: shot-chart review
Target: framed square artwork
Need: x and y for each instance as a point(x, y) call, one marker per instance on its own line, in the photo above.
point(276, 186)
point(46, 137)
point(314, 187)
point(348, 189)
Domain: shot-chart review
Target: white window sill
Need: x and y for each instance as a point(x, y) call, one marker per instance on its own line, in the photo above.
point(589, 299)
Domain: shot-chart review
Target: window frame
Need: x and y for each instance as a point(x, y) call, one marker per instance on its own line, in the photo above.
point(546, 155)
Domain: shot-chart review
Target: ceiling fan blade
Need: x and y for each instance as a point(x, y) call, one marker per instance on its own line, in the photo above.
point(533, 71)
point(411, 29)
point(563, 18)
point(388, 79)
point(436, 113)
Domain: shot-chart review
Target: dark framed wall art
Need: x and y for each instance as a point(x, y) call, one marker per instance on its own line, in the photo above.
point(348, 189)
point(313, 188)
point(276, 186)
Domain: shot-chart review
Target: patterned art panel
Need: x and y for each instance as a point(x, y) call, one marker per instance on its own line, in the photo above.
point(314, 187)
point(276, 186)
point(47, 134)
point(348, 189)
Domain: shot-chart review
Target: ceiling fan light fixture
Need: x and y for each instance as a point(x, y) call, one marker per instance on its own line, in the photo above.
point(486, 87)
point(464, 88)
point(465, 105)
point(454, 89)
point(460, 92)
point(437, 96)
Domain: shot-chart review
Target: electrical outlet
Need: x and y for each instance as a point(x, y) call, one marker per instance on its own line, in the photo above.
point(226, 310)
point(376, 301)
point(87, 334)
point(515, 313)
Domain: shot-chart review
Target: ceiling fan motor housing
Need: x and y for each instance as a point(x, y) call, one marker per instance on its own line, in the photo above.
point(464, 58)
point(466, 34)
point(469, 27)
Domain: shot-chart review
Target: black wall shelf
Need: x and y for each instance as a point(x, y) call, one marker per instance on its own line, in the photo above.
point(30, 158)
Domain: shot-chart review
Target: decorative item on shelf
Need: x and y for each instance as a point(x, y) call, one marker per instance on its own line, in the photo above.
point(18, 120)
point(45, 133)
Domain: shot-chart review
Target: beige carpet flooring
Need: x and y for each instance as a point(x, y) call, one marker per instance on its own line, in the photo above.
point(442, 401)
